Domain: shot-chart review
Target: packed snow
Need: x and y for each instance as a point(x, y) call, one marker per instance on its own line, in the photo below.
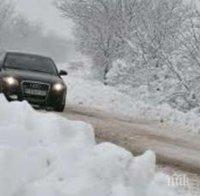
point(44, 154)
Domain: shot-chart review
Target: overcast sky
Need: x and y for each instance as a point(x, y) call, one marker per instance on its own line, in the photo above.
point(44, 12)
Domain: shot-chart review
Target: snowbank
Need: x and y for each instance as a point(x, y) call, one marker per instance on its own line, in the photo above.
point(43, 154)
point(92, 93)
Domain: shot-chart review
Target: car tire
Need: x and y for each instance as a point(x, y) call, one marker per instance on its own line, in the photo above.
point(1, 87)
point(60, 108)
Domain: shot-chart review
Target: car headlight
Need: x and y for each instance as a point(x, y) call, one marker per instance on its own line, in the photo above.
point(58, 87)
point(11, 81)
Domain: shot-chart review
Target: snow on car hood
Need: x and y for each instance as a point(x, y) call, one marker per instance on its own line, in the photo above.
point(43, 154)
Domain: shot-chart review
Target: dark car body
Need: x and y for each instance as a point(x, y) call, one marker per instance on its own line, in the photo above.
point(32, 78)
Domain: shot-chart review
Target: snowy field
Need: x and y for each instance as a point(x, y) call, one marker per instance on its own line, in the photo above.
point(83, 90)
point(43, 154)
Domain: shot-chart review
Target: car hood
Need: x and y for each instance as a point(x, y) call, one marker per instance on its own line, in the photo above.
point(33, 76)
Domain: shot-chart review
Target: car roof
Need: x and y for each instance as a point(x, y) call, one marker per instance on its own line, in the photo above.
point(26, 54)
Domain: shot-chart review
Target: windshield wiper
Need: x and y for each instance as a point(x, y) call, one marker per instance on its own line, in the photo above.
point(16, 68)
point(39, 71)
point(23, 69)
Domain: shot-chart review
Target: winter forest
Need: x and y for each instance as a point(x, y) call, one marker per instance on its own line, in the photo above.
point(141, 46)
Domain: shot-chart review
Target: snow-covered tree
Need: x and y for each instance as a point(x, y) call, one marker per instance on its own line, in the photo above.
point(96, 25)
point(142, 42)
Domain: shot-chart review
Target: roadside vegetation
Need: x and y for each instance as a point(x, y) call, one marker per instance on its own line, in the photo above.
point(144, 46)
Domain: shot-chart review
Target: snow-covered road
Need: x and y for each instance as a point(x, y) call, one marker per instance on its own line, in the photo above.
point(179, 149)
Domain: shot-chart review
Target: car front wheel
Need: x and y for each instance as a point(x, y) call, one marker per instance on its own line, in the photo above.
point(1, 87)
point(60, 108)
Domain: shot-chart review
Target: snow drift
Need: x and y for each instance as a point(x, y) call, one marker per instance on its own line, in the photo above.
point(43, 154)
point(92, 93)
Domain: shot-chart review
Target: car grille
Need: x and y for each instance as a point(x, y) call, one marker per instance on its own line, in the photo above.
point(35, 91)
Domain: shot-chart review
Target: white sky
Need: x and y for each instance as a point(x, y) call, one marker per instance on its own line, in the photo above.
point(44, 12)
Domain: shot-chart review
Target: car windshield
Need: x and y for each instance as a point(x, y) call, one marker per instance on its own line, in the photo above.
point(30, 63)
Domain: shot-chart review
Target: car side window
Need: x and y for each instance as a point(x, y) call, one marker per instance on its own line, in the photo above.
point(2, 57)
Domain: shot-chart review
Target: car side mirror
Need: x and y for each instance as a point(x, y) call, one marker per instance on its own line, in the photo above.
point(63, 73)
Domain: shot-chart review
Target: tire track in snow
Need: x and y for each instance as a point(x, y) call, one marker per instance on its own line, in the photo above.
point(173, 147)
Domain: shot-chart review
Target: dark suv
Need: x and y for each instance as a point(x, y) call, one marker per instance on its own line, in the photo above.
point(33, 78)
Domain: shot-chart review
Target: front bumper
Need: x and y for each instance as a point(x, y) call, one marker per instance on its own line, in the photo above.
point(52, 100)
